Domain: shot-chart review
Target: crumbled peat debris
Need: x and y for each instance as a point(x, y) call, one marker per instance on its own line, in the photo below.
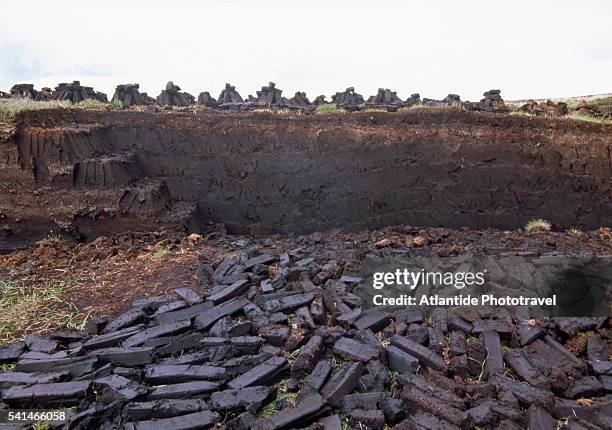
point(281, 342)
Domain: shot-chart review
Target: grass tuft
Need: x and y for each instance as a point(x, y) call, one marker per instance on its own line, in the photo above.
point(159, 252)
point(92, 104)
point(11, 107)
point(537, 224)
point(6, 367)
point(589, 118)
point(283, 396)
point(575, 231)
point(328, 108)
point(25, 310)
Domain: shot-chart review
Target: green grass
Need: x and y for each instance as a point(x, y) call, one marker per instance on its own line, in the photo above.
point(294, 355)
point(589, 118)
point(6, 367)
point(11, 107)
point(92, 104)
point(282, 396)
point(159, 252)
point(40, 309)
point(537, 224)
point(328, 108)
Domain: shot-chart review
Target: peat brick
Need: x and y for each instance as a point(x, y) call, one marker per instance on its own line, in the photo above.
point(425, 355)
point(46, 395)
point(9, 379)
point(342, 382)
point(494, 364)
point(163, 408)
point(352, 350)
point(95, 324)
point(249, 398)
point(10, 353)
point(527, 333)
point(540, 419)
point(183, 314)
point(40, 344)
point(308, 357)
point(456, 323)
point(76, 366)
point(375, 321)
point(319, 375)
point(111, 339)
point(260, 259)
point(525, 394)
point(306, 410)
point(588, 386)
point(127, 319)
point(166, 374)
point(124, 357)
point(597, 348)
point(371, 419)
point(417, 399)
point(361, 401)
point(185, 390)
point(207, 318)
point(499, 326)
point(238, 288)
point(523, 369)
point(198, 420)
point(265, 373)
point(115, 387)
point(401, 361)
point(188, 296)
point(156, 331)
point(288, 303)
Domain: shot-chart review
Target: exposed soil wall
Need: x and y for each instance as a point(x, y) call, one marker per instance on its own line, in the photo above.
point(93, 172)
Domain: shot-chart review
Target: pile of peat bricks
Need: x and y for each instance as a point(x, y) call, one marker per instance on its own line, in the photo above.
point(280, 341)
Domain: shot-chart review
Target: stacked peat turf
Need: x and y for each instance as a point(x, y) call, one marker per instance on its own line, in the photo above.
point(270, 96)
point(300, 100)
point(129, 95)
point(23, 91)
point(584, 108)
point(205, 99)
point(532, 107)
point(229, 98)
point(172, 96)
point(281, 341)
point(549, 107)
point(319, 100)
point(492, 102)
point(348, 99)
point(76, 93)
point(413, 100)
point(385, 99)
point(45, 94)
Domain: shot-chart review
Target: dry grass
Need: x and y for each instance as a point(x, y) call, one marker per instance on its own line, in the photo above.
point(40, 309)
point(11, 107)
point(537, 224)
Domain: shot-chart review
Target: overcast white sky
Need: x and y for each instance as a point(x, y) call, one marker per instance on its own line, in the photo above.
point(528, 49)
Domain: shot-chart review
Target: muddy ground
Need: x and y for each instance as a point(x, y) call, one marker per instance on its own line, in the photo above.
point(110, 272)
